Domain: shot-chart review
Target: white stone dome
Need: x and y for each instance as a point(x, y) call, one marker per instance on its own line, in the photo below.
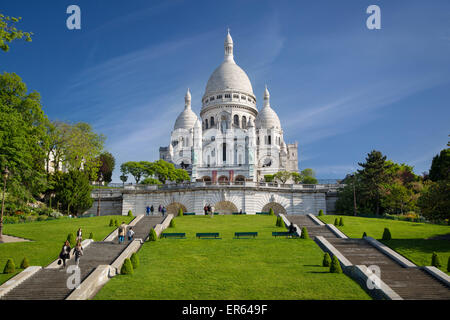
point(187, 118)
point(267, 118)
point(228, 76)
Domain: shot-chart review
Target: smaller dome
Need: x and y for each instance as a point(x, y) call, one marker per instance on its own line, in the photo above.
point(267, 118)
point(187, 118)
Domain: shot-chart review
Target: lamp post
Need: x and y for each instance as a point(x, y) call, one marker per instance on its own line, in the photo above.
point(5, 174)
point(100, 179)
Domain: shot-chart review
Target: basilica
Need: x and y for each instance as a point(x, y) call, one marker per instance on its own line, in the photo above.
point(232, 140)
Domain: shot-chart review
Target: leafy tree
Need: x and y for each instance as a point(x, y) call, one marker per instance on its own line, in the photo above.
point(123, 178)
point(73, 191)
point(134, 168)
point(434, 201)
point(397, 198)
point(297, 177)
point(282, 176)
point(150, 181)
point(268, 177)
point(440, 166)
point(107, 164)
point(373, 176)
point(181, 175)
point(308, 176)
point(448, 264)
point(9, 32)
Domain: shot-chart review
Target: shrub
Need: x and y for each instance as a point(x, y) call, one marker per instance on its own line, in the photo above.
point(91, 235)
point(336, 222)
point(172, 223)
point(387, 234)
point(180, 212)
point(435, 262)
point(364, 234)
point(279, 222)
point(10, 267)
point(111, 223)
point(335, 265)
point(326, 260)
point(271, 213)
point(127, 267)
point(304, 233)
point(25, 263)
point(134, 260)
point(320, 212)
point(341, 222)
point(42, 218)
point(152, 235)
point(116, 223)
point(130, 213)
point(72, 239)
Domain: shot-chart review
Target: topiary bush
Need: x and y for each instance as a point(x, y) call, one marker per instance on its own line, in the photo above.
point(134, 260)
point(387, 234)
point(326, 260)
point(335, 265)
point(152, 235)
point(111, 223)
point(116, 223)
point(304, 233)
point(172, 223)
point(336, 222)
point(364, 234)
point(72, 239)
point(435, 261)
point(271, 213)
point(25, 263)
point(180, 212)
point(130, 213)
point(91, 235)
point(127, 267)
point(10, 267)
point(320, 212)
point(279, 222)
point(341, 222)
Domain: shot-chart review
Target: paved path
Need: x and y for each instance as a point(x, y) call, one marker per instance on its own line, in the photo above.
point(409, 283)
point(50, 284)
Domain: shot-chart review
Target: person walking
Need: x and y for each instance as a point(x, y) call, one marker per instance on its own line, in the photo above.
point(78, 252)
point(65, 253)
point(160, 208)
point(130, 234)
point(163, 210)
point(122, 231)
point(152, 209)
point(79, 235)
point(148, 210)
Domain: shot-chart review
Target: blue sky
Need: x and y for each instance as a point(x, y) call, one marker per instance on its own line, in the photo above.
point(339, 89)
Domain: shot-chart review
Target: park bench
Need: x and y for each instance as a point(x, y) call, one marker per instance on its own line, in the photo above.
point(210, 235)
point(262, 213)
point(239, 213)
point(189, 214)
point(174, 235)
point(284, 234)
point(245, 234)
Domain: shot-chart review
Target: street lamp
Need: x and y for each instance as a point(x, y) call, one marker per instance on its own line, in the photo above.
point(5, 174)
point(100, 179)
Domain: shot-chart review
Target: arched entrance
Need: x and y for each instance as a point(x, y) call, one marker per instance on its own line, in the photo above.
point(223, 179)
point(239, 178)
point(225, 207)
point(206, 178)
point(277, 208)
point(174, 207)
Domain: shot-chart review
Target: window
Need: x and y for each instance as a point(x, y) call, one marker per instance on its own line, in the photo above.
point(206, 124)
point(235, 96)
point(228, 96)
point(243, 97)
point(224, 152)
point(213, 138)
point(269, 140)
point(257, 141)
point(219, 96)
point(236, 120)
point(213, 153)
point(244, 122)
point(206, 101)
point(211, 99)
point(212, 122)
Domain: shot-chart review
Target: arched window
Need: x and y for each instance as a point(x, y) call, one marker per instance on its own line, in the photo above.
point(236, 120)
point(224, 152)
point(257, 141)
point(206, 124)
point(211, 122)
point(269, 139)
point(244, 122)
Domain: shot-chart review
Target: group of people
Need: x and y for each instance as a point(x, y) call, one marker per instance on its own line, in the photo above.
point(122, 231)
point(77, 250)
point(208, 209)
point(161, 209)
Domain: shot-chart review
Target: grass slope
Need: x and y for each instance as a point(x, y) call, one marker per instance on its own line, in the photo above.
point(410, 239)
point(48, 238)
point(261, 268)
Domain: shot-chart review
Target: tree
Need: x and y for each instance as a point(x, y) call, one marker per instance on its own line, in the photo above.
point(133, 168)
point(440, 166)
point(397, 198)
point(268, 177)
point(282, 176)
point(9, 32)
point(150, 181)
point(123, 178)
point(73, 191)
point(308, 176)
point(434, 201)
point(107, 164)
point(373, 176)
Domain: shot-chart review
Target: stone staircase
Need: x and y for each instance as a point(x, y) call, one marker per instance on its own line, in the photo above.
point(50, 284)
point(314, 229)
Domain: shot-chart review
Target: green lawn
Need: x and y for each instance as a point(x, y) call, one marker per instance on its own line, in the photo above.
point(261, 268)
point(48, 237)
point(410, 239)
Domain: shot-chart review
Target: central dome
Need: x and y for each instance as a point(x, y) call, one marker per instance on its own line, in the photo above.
point(228, 76)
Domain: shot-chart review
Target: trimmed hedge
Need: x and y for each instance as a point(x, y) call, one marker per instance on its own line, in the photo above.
point(91, 236)
point(25, 263)
point(134, 260)
point(326, 260)
point(335, 265)
point(180, 212)
point(130, 213)
point(304, 233)
point(341, 222)
point(152, 235)
point(336, 222)
point(279, 222)
point(271, 213)
point(320, 212)
point(386, 234)
point(10, 267)
point(111, 223)
point(172, 223)
point(127, 267)
point(364, 234)
point(435, 261)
